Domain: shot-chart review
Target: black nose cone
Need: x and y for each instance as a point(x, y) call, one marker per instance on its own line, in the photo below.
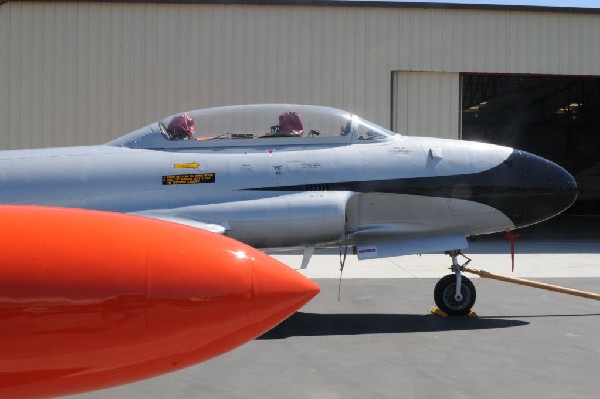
point(549, 189)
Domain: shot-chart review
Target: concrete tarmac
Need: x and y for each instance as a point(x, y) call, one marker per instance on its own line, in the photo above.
point(380, 341)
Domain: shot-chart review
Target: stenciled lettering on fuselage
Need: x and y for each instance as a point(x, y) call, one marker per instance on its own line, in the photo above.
point(195, 178)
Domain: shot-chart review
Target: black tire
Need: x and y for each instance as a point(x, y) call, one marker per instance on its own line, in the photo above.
point(444, 291)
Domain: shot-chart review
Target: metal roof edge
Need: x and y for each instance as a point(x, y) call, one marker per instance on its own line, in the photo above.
point(348, 3)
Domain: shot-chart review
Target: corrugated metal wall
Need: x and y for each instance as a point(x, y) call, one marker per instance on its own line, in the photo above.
point(83, 73)
point(426, 104)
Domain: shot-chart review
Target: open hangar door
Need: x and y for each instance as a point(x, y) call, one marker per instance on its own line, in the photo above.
point(556, 117)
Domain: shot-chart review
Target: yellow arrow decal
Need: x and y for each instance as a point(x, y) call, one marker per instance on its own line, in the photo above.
point(186, 165)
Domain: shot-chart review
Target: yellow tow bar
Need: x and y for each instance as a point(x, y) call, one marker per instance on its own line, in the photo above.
point(535, 284)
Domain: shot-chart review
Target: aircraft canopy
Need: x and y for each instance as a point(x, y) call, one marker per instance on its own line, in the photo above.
point(236, 125)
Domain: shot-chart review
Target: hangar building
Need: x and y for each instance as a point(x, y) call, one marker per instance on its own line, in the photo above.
point(78, 73)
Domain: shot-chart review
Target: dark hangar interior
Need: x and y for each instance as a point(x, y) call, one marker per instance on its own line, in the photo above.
point(556, 117)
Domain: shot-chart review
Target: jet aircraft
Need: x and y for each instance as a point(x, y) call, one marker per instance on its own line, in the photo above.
point(281, 176)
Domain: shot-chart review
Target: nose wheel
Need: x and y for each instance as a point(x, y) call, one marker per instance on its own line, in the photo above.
point(454, 293)
point(445, 297)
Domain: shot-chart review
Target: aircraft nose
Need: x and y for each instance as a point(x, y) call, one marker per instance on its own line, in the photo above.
point(549, 188)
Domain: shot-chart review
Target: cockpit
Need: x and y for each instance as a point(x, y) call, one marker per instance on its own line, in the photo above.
point(248, 125)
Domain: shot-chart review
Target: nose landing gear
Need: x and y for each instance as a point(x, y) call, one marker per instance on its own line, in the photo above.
point(454, 293)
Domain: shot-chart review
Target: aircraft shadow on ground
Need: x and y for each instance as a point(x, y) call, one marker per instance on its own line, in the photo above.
point(317, 324)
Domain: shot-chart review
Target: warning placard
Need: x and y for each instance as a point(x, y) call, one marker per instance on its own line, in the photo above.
point(196, 178)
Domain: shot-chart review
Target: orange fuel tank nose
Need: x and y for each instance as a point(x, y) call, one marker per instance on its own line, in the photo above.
point(212, 293)
point(94, 299)
point(278, 290)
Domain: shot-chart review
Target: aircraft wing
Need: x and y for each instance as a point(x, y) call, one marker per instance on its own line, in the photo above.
point(334, 218)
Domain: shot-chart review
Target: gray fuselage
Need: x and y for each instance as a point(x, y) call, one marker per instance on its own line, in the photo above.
point(282, 192)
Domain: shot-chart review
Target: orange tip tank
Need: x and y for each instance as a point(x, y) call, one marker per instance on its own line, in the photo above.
point(93, 299)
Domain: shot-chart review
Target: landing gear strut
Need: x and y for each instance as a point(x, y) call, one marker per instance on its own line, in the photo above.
point(454, 293)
